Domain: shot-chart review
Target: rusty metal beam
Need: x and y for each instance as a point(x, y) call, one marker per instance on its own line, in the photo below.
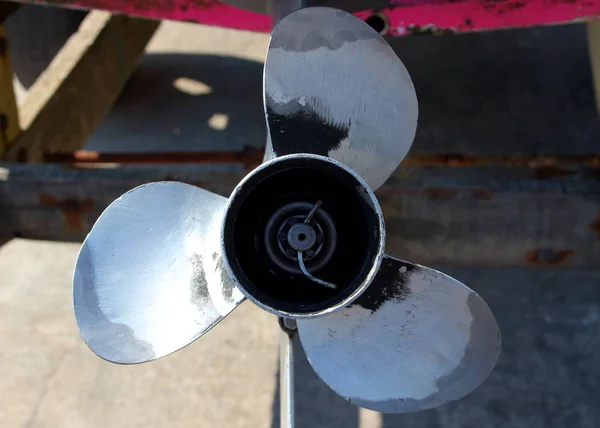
point(486, 216)
point(248, 157)
point(591, 160)
point(544, 166)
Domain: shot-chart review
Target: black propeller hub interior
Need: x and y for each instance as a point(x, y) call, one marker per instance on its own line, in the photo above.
point(302, 235)
point(287, 233)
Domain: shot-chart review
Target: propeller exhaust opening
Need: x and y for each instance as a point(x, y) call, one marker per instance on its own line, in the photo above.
point(302, 236)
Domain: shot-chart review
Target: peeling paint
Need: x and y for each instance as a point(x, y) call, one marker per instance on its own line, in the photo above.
point(429, 29)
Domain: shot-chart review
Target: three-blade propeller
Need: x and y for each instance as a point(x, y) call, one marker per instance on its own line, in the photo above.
point(150, 277)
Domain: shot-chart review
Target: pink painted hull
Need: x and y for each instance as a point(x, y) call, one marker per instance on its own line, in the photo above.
point(403, 17)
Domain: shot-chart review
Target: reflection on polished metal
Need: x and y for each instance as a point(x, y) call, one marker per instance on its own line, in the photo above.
point(149, 278)
point(414, 340)
point(359, 106)
point(167, 261)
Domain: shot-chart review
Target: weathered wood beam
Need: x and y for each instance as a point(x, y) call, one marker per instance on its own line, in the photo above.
point(74, 94)
point(9, 117)
point(486, 216)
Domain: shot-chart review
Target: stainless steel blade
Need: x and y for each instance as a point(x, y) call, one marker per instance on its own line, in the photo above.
point(149, 278)
point(414, 340)
point(334, 87)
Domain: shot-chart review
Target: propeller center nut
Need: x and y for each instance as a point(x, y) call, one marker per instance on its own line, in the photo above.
point(301, 237)
point(286, 233)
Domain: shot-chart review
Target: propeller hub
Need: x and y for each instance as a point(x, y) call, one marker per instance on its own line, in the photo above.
point(298, 218)
point(302, 237)
point(286, 234)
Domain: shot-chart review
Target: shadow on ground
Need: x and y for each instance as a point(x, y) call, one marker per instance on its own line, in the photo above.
point(527, 90)
point(185, 102)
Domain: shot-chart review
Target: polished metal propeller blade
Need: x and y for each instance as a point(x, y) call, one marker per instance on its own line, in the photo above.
point(414, 340)
point(334, 87)
point(149, 279)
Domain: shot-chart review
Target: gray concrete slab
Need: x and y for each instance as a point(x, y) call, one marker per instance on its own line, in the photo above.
point(548, 374)
point(49, 378)
point(197, 88)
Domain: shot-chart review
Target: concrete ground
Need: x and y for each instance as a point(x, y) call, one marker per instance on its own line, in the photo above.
point(201, 86)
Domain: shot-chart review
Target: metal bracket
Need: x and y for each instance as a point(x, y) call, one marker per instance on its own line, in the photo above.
point(286, 372)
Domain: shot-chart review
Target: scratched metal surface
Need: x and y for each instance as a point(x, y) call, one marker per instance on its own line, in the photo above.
point(304, 96)
point(356, 352)
point(547, 375)
point(400, 17)
point(157, 248)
